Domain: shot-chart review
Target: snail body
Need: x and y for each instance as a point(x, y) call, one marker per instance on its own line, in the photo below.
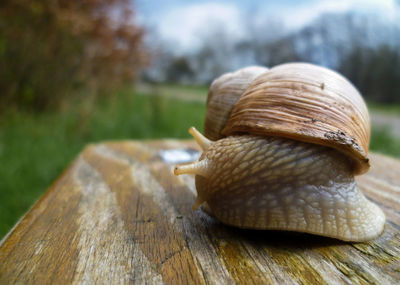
point(263, 173)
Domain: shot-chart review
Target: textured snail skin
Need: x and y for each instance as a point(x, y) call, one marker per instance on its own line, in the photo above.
point(273, 183)
point(287, 142)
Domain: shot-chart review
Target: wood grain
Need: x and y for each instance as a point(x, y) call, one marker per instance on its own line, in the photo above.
point(118, 215)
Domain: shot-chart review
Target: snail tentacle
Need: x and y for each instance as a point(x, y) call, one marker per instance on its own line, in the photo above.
point(198, 167)
point(201, 140)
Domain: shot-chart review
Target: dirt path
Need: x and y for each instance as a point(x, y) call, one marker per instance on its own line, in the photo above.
point(379, 120)
point(387, 121)
point(172, 92)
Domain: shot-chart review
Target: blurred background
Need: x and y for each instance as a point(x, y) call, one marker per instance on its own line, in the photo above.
point(75, 72)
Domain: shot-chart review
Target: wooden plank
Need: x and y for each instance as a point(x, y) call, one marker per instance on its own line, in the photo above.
point(118, 215)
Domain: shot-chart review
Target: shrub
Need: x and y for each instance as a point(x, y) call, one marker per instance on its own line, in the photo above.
point(51, 49)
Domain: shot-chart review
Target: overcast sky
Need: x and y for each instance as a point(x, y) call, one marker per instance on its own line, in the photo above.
point(181, 21)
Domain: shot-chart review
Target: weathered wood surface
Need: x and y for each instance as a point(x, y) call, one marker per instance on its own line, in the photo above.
point(118, 215)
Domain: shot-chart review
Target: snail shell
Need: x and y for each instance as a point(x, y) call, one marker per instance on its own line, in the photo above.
point(289, 141)
point(299, 101)
point(224, 92)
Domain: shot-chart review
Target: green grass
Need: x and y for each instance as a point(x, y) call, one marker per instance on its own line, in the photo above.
point(393, 109)
point(34, 149)
point(383, 142)
point(381, 139)
point(190, 89)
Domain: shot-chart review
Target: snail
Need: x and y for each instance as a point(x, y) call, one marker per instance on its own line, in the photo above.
point(280, 151)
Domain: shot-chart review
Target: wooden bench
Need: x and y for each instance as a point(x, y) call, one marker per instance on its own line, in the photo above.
point(118, 215)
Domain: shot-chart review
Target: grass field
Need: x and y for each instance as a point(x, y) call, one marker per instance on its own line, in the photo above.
point(35, 148)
